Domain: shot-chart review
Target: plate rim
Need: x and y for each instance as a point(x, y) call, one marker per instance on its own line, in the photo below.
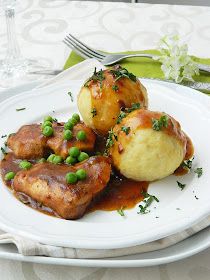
point(112, 263)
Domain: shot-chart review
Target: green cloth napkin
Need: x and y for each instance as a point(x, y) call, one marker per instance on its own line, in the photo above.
point(143, 67)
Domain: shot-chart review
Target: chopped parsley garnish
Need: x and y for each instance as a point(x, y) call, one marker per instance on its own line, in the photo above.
point(126, 129)
point(187, 164)
point(122, 73)
point(11, 134)
point(180, 185)
point(123, 113)
point(148, 199)
point(4, 136)
point(111, 138)
point(94, 112)
point(159, 124)
point(115, 87)
point(121, 116)
point(97, 76)
point(121, 212)
point(20, 109)
point(199, 171)
point(134, 107)
point(71, 96)
point(55, 120)
point(3, 151)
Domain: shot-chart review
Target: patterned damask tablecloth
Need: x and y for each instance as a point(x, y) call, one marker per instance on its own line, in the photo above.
point(41, 25)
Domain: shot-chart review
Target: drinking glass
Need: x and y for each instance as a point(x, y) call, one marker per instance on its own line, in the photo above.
point(14, 68)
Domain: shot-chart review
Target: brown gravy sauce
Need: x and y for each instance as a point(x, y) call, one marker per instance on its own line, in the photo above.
point(119, 193)
point(188, 155)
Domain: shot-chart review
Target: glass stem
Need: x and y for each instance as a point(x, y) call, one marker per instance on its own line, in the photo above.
point(13, 51)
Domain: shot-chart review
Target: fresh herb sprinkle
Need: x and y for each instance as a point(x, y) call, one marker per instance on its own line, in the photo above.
point(159, 124)
point(121, 116)
point(148, 199)
point(111, 137)
point(126, 129)
point(20, 109)
point(199, 171)
point(134, 107)
point(94, 112)
point(4, 136)
point(120, 73)
point(180, 185)
point(97, 76)
point(115, 87)
point(121, 212)
point(3, 151)
point(187, 164)
point(71, 96)
point(123, 113)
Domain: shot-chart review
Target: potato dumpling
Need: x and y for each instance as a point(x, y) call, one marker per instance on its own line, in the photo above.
point(105, 93)
point(147, 146)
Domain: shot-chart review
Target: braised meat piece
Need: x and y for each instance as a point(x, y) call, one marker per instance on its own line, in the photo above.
point(46, 184)
point(30, 143)
point(61, 147)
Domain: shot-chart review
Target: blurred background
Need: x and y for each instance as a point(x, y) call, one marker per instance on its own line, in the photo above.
point(175, 2)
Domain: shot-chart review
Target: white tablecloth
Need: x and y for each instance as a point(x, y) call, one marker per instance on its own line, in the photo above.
point(41, 25)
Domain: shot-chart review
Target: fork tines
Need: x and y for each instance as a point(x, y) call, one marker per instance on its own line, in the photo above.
point(82, 49)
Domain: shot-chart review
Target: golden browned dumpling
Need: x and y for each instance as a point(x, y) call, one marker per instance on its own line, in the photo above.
point(147, 146)
point(105, 93)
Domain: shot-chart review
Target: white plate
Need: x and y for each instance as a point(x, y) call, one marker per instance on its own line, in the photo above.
point(102, 230)
point(182, 250)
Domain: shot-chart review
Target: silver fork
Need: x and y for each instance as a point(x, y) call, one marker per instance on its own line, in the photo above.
point(108, 59)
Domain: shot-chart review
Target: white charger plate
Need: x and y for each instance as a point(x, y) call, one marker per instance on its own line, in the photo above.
point(102, 230)
point(189, 247)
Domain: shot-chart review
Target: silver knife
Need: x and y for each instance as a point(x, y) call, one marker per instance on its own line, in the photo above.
point(195, 85)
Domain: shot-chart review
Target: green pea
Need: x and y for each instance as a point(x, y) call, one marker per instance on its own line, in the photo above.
point(76, 117)
point(24, 164)
point(41, 160)
point(71, 178)
point(47, 131)
point(81, 135)
point(83, 156)
point(81, 174)
point(73, 121)
point(67, 135)
point(46, 123)
point(57, 159)
point(9, 176)
point(71, 160)
point(74, 152)
point(48, 118)
point(50, 158)
point(68, 125)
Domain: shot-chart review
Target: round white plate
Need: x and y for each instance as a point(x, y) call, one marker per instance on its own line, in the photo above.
point(189, 247)
point(102, 230)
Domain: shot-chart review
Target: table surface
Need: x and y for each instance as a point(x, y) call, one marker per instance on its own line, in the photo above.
point(41, 26)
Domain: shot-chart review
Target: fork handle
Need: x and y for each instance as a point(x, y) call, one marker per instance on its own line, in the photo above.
point(204, 67)
point(111, 59)
point(138, 55)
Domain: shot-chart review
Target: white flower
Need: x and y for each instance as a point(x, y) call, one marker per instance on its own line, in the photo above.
point(176, 63)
